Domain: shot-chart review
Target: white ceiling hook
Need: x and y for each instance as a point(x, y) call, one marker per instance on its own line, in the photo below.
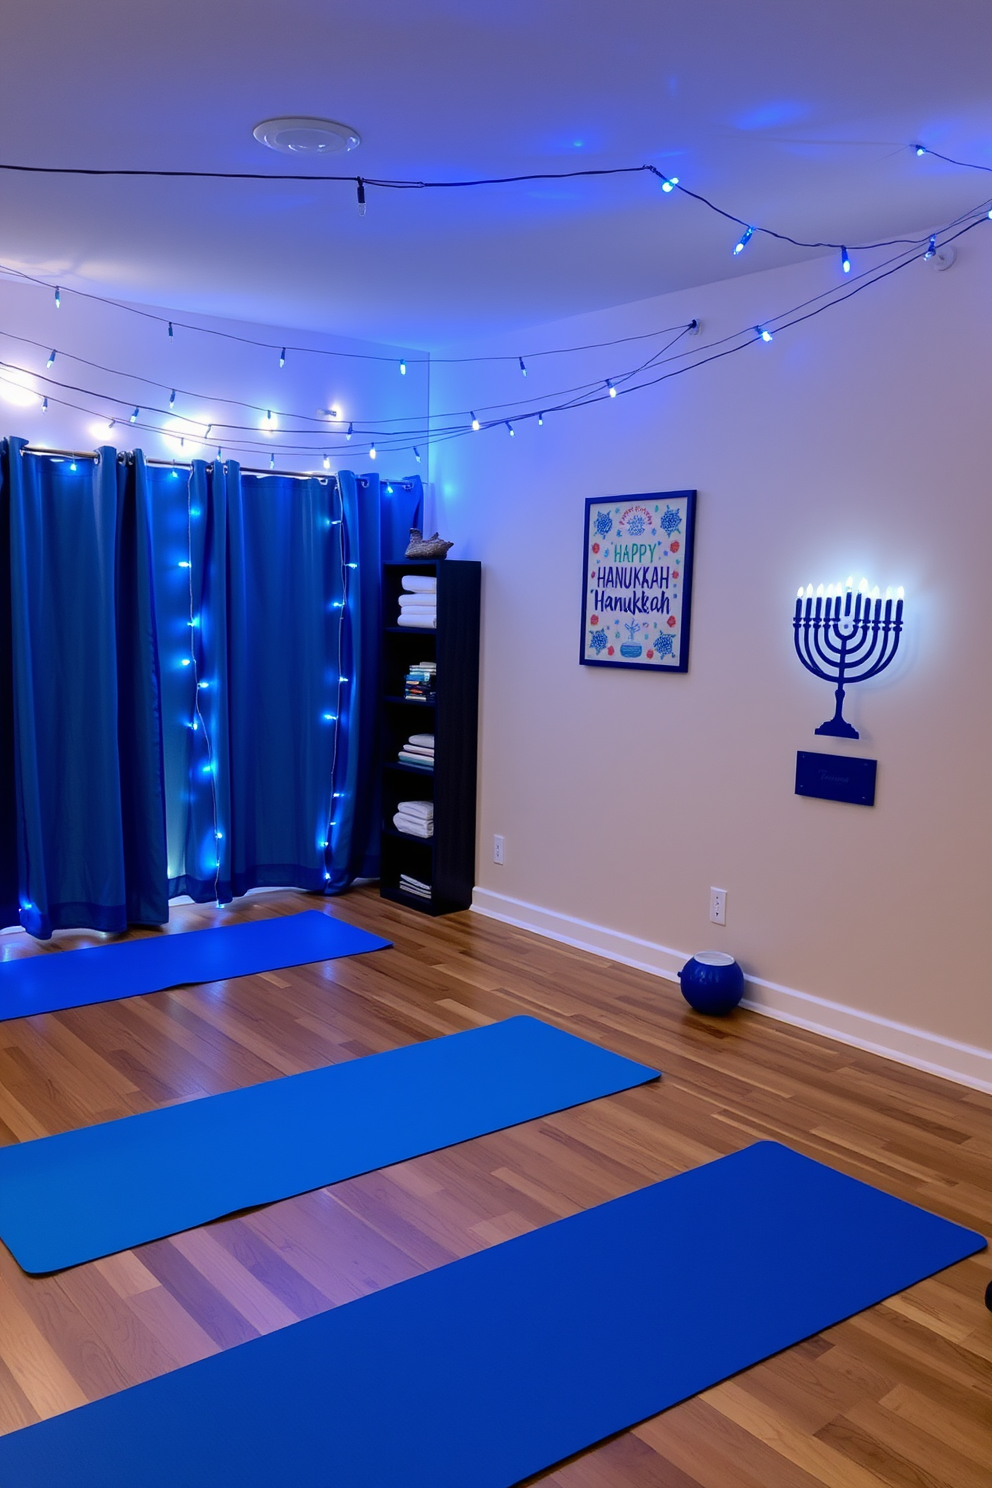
point(943, 257)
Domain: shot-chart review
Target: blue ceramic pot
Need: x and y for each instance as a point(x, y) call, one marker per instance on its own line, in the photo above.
point(712, 983)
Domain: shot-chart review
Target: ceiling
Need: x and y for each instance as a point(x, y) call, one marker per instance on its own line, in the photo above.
point(793, 115)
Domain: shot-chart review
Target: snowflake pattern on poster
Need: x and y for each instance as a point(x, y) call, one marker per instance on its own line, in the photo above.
point(636, 526)
point(598, 640)
point(670, 520)
point(664, 645)
point(604, 524)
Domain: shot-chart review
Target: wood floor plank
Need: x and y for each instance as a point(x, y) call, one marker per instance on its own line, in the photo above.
point(899, 1395)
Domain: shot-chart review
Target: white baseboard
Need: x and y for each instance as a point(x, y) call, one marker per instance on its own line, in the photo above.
point(963, 1063)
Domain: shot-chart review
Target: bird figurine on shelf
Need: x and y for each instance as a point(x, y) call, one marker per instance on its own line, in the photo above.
point(420, 546)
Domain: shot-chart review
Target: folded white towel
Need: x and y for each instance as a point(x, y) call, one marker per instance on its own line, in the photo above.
point(419, 584)
point(418, 601)
point(417, 752)
point(420, 619)
point(425, 740)
point(413, 826)
point(424, 809)
point(426, 762)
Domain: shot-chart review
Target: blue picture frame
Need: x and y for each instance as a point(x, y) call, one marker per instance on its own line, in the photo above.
point(638, 560)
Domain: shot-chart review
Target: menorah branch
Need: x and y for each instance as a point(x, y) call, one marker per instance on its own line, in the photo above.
point(843, 639)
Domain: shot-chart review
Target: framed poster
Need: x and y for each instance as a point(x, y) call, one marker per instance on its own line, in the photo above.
point(637, 581)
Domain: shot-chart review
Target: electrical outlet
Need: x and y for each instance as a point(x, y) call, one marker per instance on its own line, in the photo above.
point(718, 906)
point(497, 848)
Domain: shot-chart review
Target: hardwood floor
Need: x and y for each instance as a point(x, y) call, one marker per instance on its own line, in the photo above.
point(900, 1395)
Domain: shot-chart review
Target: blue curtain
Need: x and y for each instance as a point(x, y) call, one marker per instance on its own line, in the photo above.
point(191, 661)
point(83, 756)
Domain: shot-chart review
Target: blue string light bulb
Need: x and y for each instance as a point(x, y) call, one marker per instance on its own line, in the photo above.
point(416, 454)
point(523, 368)
point(371, 451)
point(58, 298)
point(134, 416)
point(765, 334)
point(282, 357)
point(51, 359)
point(845, 261)
point(931, 247)
point(475, 422)
point(609, 384)
point(510, 429)
point(403, 369)
point(669, 183)
point(745, 238)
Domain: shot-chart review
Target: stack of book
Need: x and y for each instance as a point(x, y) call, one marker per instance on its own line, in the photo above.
point(420, 682)
point(414, 886)
point(418, 750)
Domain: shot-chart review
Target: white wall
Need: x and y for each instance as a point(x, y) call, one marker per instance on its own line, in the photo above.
point(209, 368)
point(856, 442)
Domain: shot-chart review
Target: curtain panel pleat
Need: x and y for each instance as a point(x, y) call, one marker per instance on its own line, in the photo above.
point(89, 818)
point(188, 683)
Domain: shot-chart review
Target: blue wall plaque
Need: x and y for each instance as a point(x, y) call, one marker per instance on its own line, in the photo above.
point(836, 777)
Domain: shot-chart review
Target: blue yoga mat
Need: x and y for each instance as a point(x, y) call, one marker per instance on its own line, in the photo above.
point(100, 1189)
point(55, 980)
point(495, 1367)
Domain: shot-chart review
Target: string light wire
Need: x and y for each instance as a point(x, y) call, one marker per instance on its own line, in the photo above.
point(735, 341)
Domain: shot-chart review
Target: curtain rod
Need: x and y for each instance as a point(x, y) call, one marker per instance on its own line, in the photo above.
point(363, 480)
point(32, 449)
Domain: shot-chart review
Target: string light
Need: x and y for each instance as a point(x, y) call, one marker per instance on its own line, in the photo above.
point(475, 422)
point(361, 197)
point(44, 405)
point(765, 335)
point(745, 238)
point(511, 430)
point(920, 149)
point(931, 247)
point(51, 359)
point(272, 462)
point(669, 183)
point(58, 297)
point(327, 462)
point(371, 451)
point(172, 334)
point(609, 384)
point(845, 261)
point(866, 279)
point(522, 366)
point(282, 357)
point(402, 369)
point(351, 428)
point(207, 431)
point(416, 454)
point(540, 420)
point(134, 416)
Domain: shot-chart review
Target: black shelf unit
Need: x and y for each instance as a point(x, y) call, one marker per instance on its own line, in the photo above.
point(447, 860)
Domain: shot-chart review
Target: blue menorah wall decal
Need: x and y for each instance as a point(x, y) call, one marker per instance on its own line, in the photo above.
point(845, 636)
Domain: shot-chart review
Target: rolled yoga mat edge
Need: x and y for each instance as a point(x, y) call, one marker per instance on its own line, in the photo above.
point(495, 1367)
point(100, 1189)
point(51, 982)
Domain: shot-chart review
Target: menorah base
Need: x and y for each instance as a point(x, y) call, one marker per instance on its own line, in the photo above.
point(839, 728)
